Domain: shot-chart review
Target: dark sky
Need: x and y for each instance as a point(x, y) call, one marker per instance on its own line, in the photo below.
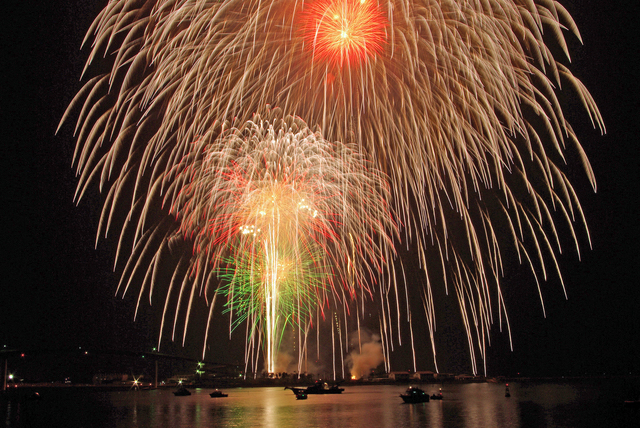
point(58, 291)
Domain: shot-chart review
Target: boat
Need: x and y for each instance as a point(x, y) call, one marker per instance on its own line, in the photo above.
point(437, 396)
point(324, 388)
point(218, 393)
point(634, 404)
point(35, 396)
point(415, 395)
point(181, 392)
point(317, 388)
point(300, 393)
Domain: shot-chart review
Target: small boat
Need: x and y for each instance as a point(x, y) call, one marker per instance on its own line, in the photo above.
point(437, 396)
point(218, 393)
point(324, 388)
point(296, 390)
point(507, 393)
point(300, 393)
point(35, 396)
point(415, 395)
point(181, 392)
point(317, 388)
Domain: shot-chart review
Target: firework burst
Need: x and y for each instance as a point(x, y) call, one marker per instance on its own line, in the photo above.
point(455, 101)
point(344, 32)
point(280, 221)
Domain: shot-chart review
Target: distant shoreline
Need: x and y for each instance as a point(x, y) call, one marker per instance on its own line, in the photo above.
point(21, 389)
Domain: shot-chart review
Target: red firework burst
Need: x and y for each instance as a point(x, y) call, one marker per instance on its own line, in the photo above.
point(344, 31)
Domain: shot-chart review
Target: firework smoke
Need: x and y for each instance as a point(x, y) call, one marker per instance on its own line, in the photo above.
point(366, 356)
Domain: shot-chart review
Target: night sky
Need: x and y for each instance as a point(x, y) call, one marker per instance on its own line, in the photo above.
point(58, 289)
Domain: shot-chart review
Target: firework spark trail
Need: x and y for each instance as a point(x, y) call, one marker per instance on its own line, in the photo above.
point(455, 100)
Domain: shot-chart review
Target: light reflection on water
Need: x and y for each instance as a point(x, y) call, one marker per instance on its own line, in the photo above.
point(464, 405)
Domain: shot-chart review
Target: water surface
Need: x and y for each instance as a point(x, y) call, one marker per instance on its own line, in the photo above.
point(595, 403)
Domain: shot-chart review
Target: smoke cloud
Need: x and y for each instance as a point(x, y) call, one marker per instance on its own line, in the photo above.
point(365, 357)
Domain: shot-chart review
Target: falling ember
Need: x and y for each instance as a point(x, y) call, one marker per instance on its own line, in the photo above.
point(344, 31)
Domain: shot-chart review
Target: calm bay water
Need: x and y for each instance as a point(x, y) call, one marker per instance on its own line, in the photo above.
point(592, 403)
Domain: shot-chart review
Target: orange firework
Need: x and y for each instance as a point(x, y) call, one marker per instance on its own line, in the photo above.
point(344, 31)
